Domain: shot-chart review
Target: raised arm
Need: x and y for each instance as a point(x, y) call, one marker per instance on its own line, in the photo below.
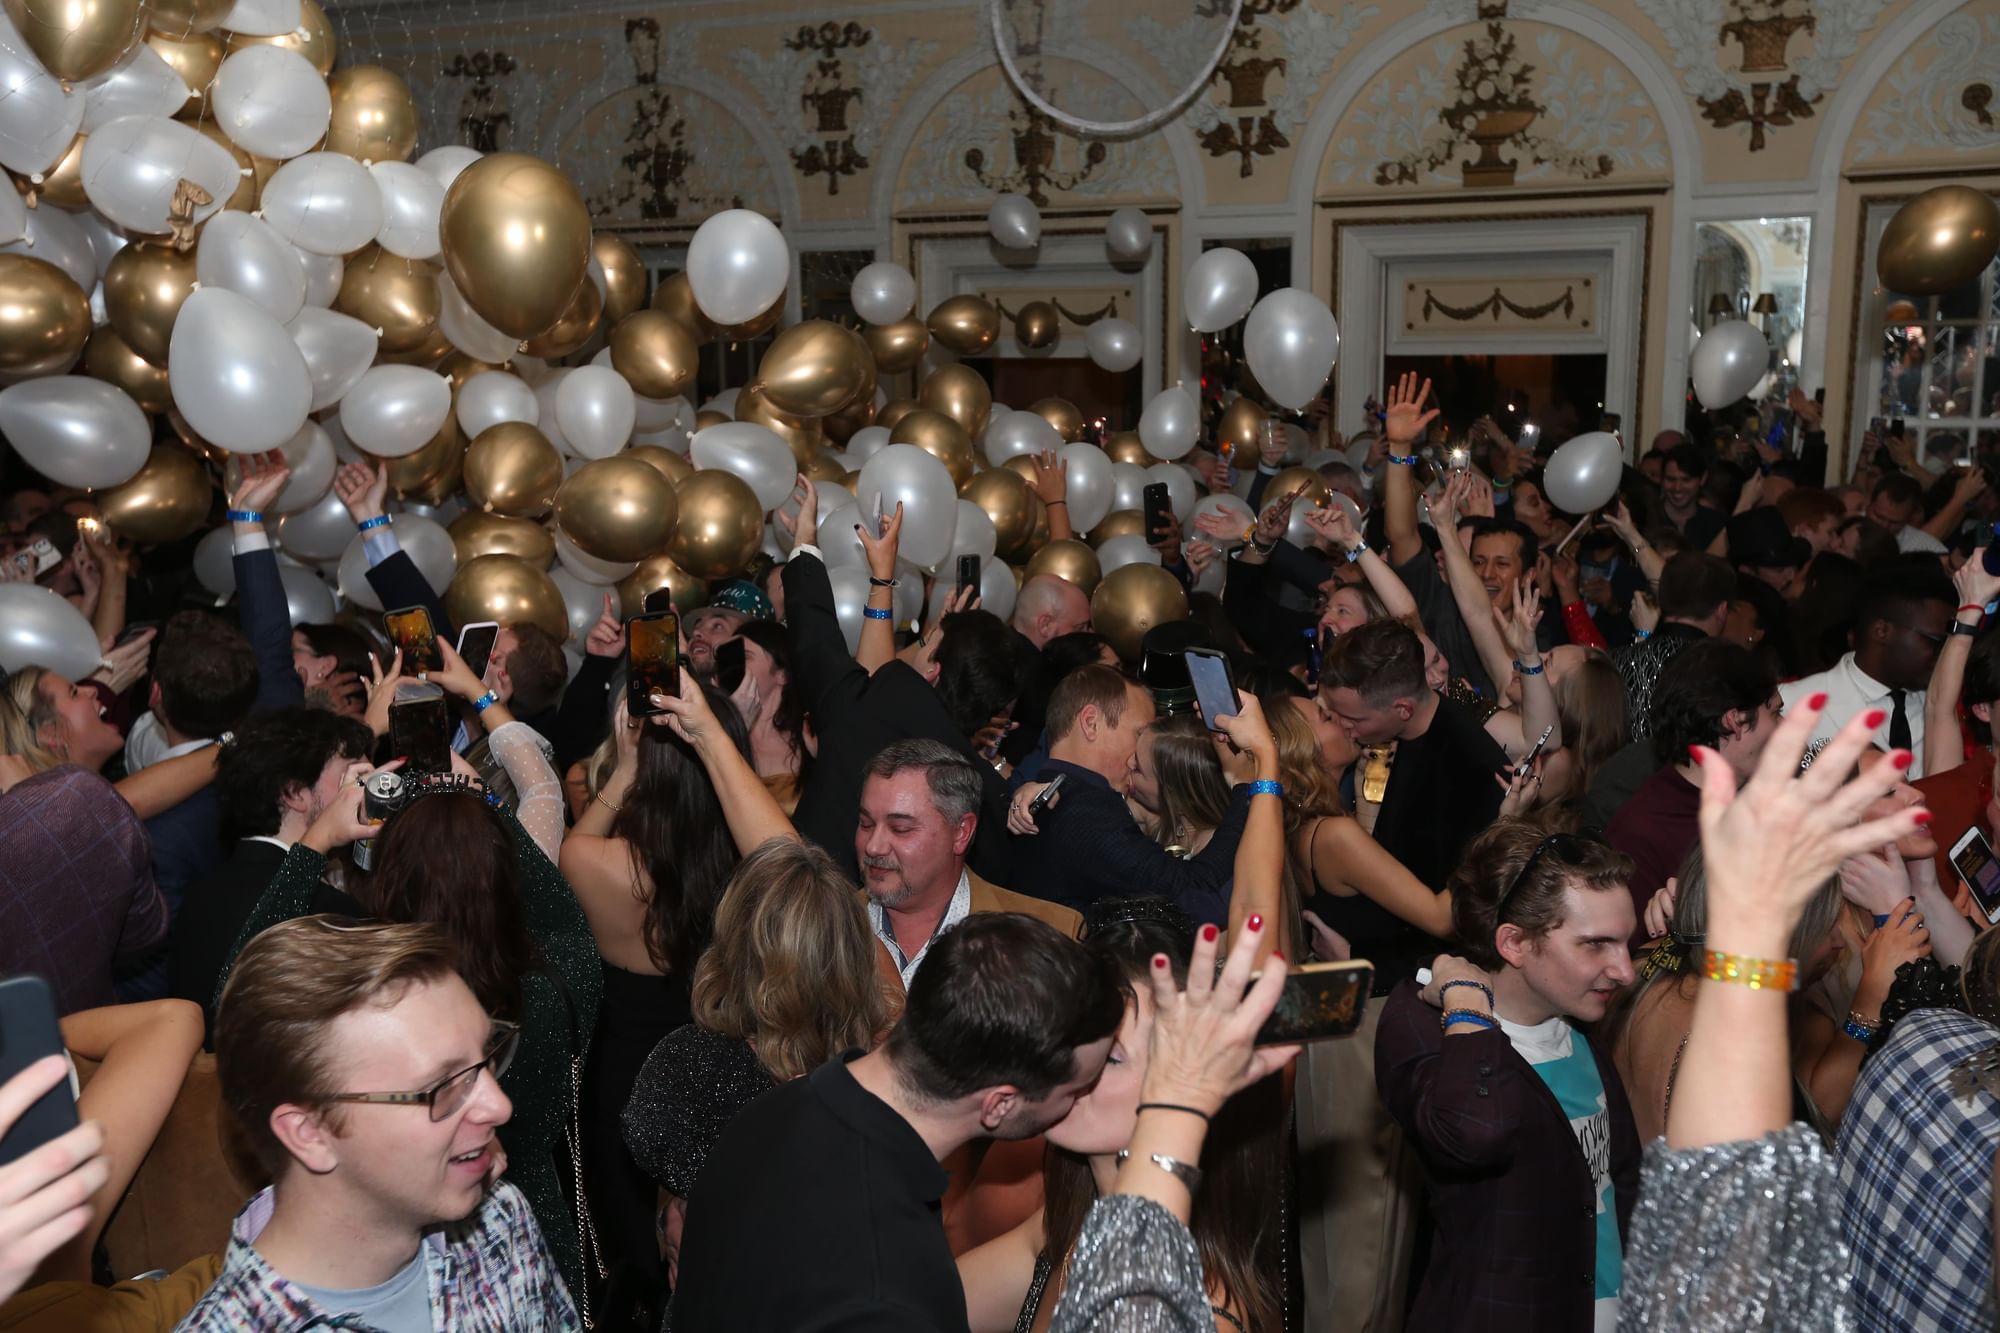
point(1336, 531)
point(1468, 592)
point(753, 814)
point(877, 647)
point(1944, 748)
point(160, 787)
point(260, 593)
point(1051, 483)
point(1651, 562)
point(1260, 850)
point(1538, 697)
point(1403, 424)
point(1945, 522)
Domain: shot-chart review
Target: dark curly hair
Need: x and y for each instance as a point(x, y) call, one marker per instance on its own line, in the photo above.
point(274, 754)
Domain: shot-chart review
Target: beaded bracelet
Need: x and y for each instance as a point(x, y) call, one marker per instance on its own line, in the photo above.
point(1860, 1028)
point(1756, 973)
point(1267, 787)
point(1535, 670)
point(379, 521)
point(485, 701)
point(1451, 1016)
point(243, 515)
point(1479, 986)
point(1407, 460)
point(874, 582)
point(878, 613)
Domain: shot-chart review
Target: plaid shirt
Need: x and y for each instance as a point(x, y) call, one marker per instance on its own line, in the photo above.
point(488, 1274)
point(1916, 1180)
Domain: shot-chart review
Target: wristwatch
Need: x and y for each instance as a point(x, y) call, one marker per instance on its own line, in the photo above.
point(1960, 627)
point(1186, 1172)
point(1356, 551)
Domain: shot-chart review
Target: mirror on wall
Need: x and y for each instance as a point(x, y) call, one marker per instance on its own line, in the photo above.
point(1755, 269)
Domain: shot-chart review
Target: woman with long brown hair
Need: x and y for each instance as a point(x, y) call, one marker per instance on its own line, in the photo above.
point(1178, 793)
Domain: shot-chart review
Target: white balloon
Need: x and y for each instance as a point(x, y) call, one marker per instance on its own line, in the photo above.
point(427, 543)
point(1128, 486)
point(1728, 362)
point(1127, 548)
point(323, 202)
point(43, 117)
point(104, 239)
point(656, 414)
point(465, 329)
point(270, 101)
point(589, 569)
point(1221, 288)
point(240, 253)
point(1015, 434)
point(595, 409)
point(865, 443)
point(904, 474)
point(446, 161)
point(395, 410)
point(737, 265)
point(724, 402)
point(264, 18)
point(1290, 341)
point(1169, 425)
point(997, 588)
point(1239, 513)
point(1014, 222)
point(583, 600)
point(493, 397)
point(133, 165)
point(236, 374)
point(545, 405)
point(308, 601)
point(215, 563)
point(323, 276)
point(974, 535)
point(1114, 344)
point(1583, 473)
point(1128, 235)
point(56, 236)
point(412, 201)
point(141, 84)
point(338, 350)
point(309, 454)
point(883, 292)
point(850, 595)
point(319, 533)
point(1182, 492)
point(838, 541)
point(39, 628)
point(1297, 531)
point(75, 430)
point(1087, 472)
point(751, 452)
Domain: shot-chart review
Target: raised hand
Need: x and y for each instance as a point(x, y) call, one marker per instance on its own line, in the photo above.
point(1404, 419)
point(1519, 625)
point(262, 481)
point(1332, 523)
point(880, 547)
point(1051, 481)
point(1203, 1049)
point(1277, 516)
point(607, 636)
point(362, 489)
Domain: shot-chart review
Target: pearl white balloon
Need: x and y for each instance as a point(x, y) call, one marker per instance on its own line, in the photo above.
point(1128, 236)
point(1238, 510)
point(724, 402)
point(309, 454)
point(1014, 222)
point(1114, 344)
point(830, 495)
point(395, 410)
point(215, 563)
point(545, 406)
point(75, 430)
point(43, 117)
point(264, 18)
point(323, 276)
point(838, 541)
point(974, 535)
point(905, 474)
point(1221, 288)
point(1728, 362)
point(412, 201)
point(589, 568)
point(338, 350)
point(1298, 531)
point(1170, 424)
point(752, 453)
point(13, 219)
point(236, 374)
point(1290, 342)
point(57, 236)
point(318, 533)
point(1182, 492)
point(440, 514)
point(323, 202)
point(1087, 473)
point(1128, 486)
point(865, 443)
point(1583, 473)
point(737, 265)
point(39, 628)
point(104, 239)
point(140, 84)
point(426, 542)
point(850, 595)
point(883, 292)
point(492, 398)
point(244, 255)
point(308, 601)
point(465, 329)
point(657, 414)
point(595, 409)
point(997, 589)
point(270, 101)
point(133, 165)
point(446, 161)
point(1127, 548)
point(1018, 433)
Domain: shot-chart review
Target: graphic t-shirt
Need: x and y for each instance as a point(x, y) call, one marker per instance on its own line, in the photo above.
point(1565, 1064)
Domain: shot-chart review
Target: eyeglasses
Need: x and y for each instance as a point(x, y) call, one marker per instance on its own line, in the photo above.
point(1567, 846)
point(448, 1095)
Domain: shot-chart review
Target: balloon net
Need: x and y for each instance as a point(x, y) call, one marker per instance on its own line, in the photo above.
point(1072, 59)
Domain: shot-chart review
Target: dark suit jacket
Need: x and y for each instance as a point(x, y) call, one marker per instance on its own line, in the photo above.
point(856, 715)
point(399, 583)
point(266, 620)
point(1515, 1244)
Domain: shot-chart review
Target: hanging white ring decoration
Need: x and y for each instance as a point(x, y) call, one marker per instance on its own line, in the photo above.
point(1112, 128)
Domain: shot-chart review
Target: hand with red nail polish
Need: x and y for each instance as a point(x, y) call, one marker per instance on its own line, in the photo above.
point(1874, 718)
point(1817, 702)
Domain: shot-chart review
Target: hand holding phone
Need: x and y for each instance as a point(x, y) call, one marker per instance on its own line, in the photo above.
point(1320, 1001)
point(1159, 509)
point(420, 729)
point(1973, 857)
point(475, 645)
point(652, 660)
point(968, 574)
point(411, 630)
point(1214, 688)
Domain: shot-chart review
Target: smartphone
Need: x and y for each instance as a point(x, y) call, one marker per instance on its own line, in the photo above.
point(1973, 856)
point(730, 664)
point(29, 1031)
point(1214, 688)
point(135, 629)
point(420, 730)
point(38, 559)
point(968, 573)
point(652, 660)
point(1528, 759)
point(1046, 797)
point(475, 645)
point(659, 599)
point(410, 629)
point(1320, 1001)
point(1896, 427)
point(1316, 642)
point(1159, 509)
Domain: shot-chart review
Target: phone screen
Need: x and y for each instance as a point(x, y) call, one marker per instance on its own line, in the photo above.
point(1974, 858)
point(475, 645)
point(1159, 508)
point(28, 1031)
point(1320, 1001)
point(652, 660)
point(410, 629)
point(421, 730)
point(1213, 688)
point(730, 664)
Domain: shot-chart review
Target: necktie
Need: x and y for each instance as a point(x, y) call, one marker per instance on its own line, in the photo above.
point(1899, 722)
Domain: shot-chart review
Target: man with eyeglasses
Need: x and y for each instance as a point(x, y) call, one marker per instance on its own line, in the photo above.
point(365, 1076)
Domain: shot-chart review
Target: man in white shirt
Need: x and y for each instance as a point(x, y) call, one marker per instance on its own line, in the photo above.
point(204, 681)
point(1905, 617)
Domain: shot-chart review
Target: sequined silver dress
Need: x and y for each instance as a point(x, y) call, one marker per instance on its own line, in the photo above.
point(1135, 1270)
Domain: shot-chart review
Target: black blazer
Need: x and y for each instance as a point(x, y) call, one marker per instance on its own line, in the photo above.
point(399, 583)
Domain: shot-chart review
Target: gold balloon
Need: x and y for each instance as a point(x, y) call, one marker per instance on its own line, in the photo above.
point(252, 171)
point(1939, 241)
point(195, 58)
point(1068, 559)
point(62, 184)
point(1037, 325)
point(462, 368)
point(1239, 435)
point(431, 353)
point(165, 501)
point(79, 39)
point(894, 411)
point(313, 38)
point(1005, 498)
point(179, 18)
point(44, 317)
point(710, 417)
point(1062, 414)
point(1040, 536)
point(374, 116)
point(656, 353)
point(803, 438)
point(960, 393)
point(1119, 523)
point(965, 324)
point(573, 330)
point(387, 292)
point(516, 240)
point(1131, 600)
point(840, 427)
point(624, 276)
point(1125, 446)
point(940, 437)
point(825, 467)
point(433, 470)
point(665, 461)
point(507, 589)
point(144, 286)
point(656, 572)
point(814, 369)
point(512, 470)
point(1022, 466)
point(756, 325)
point(721, 525)
point(211, 453)
point(898, 346)
point(618, 509)
point(107, 357)
point(1308, 485)
point(675, 299)
point(474, 534)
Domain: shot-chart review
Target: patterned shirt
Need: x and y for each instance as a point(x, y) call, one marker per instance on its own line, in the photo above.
point(1916, 1180)
point(487, 1274)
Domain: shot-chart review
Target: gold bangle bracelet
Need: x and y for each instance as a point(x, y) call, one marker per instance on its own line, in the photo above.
point(599, 798)
point(1756, 973)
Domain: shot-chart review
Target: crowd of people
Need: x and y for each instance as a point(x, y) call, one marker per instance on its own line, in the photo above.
point(918, 985)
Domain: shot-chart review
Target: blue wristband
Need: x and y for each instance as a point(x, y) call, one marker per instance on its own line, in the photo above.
point(1859, 1032)
point(1881, 920)
point(1267, 787)
point(878, 613)
point(1641, 635)
point(485, 701)
point(1535, 670)
point(379, 521)
point(1466, 1016)
point(1407, 460)
point(243, 516)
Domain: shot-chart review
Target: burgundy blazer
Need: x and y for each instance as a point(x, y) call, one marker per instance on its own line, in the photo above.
point(1514, 1244)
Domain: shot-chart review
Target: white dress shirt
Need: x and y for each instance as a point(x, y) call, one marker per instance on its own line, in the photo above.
point(960, 908)
point(1850, 690)
point(147, 745)
point(1913, 539)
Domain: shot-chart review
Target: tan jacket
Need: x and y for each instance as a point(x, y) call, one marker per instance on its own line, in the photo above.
point(986, 897)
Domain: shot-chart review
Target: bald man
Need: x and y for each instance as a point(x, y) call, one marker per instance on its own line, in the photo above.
point(1048, 608)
